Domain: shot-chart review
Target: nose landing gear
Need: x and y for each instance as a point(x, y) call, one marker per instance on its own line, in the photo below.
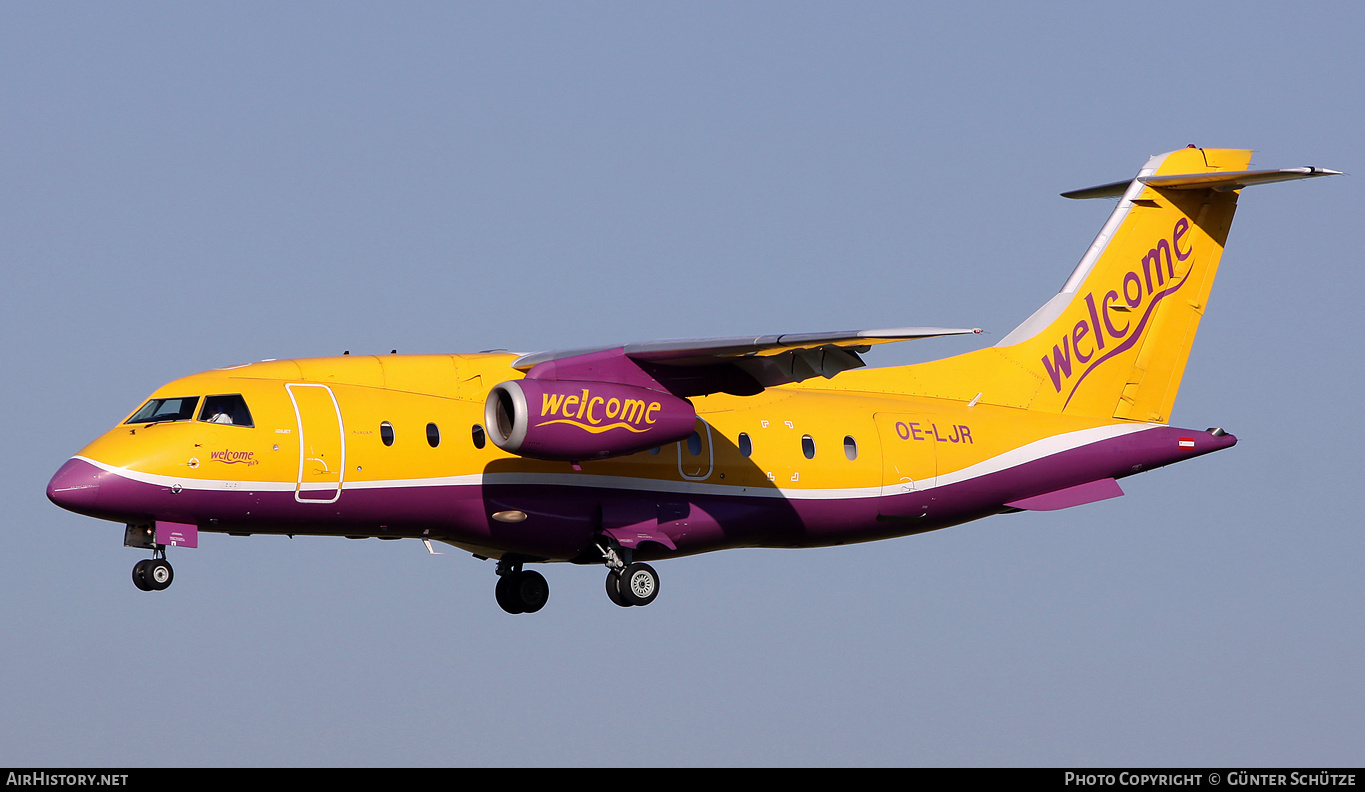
point(149, 574)
point(153, 574)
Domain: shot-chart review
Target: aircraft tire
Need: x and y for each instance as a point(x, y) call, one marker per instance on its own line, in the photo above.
point(140, 575)
point(639, 584)
point(158, 574)
point(531, 590)
point(507, 596)
point(614, 588)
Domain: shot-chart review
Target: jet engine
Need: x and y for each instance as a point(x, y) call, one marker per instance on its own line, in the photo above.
point(574, 420)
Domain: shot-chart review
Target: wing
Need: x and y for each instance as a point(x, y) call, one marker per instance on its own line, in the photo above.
point(742, 365)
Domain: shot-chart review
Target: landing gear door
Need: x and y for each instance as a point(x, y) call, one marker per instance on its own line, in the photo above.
point(322, 443)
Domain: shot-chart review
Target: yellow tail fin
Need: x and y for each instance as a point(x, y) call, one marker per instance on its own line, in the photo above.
point(1114, 341)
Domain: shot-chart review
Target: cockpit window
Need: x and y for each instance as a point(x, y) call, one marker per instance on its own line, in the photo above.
point(156, 410)
point(226, 409)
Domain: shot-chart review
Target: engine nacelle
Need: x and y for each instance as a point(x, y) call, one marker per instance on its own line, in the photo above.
point(573, 420)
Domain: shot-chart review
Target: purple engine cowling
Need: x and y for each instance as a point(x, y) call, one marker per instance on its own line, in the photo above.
point(575, 420)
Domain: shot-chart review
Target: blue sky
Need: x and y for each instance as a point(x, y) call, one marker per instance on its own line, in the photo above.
point(189, 186)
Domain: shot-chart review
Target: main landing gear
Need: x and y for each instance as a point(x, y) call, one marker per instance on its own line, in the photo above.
point(628, 583)
point(520, 590)
point(523, 591)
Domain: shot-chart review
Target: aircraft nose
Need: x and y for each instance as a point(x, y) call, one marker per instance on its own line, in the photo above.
point(75, 486)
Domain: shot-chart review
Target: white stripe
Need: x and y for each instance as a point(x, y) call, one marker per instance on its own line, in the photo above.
point(223, 485)
point(1039, 449)
point(1010, 459)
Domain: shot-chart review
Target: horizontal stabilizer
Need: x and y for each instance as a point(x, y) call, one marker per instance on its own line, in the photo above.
point(1222, 181)
point(1101, 489)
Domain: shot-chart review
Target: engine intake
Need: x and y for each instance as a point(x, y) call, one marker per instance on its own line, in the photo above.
point(573, 420)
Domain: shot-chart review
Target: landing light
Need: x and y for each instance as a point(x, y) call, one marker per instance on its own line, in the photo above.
point(512, 516)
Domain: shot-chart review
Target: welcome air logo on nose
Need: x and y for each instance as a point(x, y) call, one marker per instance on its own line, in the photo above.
point(590, 413)
point(1140, 288)
point(229, 457)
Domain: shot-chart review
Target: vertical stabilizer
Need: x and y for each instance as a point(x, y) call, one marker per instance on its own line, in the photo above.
point(1119, 344)
point(1114, 341)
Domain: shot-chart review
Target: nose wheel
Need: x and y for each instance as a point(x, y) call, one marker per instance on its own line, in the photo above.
point(153, 574)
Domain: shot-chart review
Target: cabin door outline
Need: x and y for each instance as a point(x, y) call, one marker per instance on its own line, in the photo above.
point(690, 465)
point(322, 443)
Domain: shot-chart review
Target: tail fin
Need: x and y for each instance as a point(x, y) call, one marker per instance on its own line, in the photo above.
point(1114, 341)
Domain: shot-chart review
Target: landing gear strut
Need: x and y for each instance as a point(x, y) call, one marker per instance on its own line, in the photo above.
point(149, 574)
point(628, 583)
point(520, 590)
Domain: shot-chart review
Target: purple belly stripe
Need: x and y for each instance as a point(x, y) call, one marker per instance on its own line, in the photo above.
point(562, 520)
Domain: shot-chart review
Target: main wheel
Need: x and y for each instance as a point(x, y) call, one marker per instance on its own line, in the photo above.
point(532, 590)
point(522, 592)
point(614, 589)
point(158, 574)
point(639, 584)
point(140, 574)
point(507, 596)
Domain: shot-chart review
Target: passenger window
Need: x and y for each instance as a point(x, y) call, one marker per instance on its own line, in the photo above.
point(694, 444)
point(226, 409)
point(479, 435)
point(746, 446)
point(386, 433)
point(850, 447)
point(157, 410)
point(808, 446)
point(433, 435)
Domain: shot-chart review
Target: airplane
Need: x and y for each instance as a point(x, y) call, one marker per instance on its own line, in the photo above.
point(636, 453)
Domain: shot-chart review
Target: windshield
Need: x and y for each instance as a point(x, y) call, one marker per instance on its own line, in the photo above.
point(226, 409)
point(180, 408)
